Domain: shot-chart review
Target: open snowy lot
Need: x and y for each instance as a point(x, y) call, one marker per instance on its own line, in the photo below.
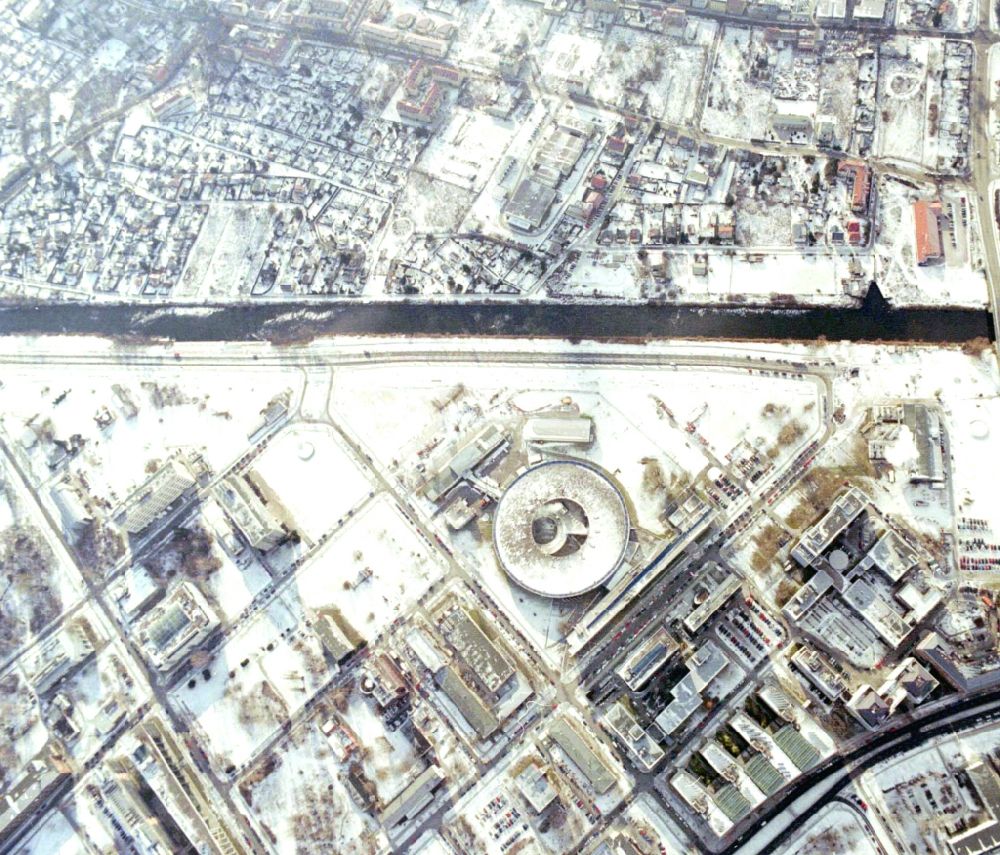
point(372, 570)
point(261, 676)
point(314, 477)
point(298, 798)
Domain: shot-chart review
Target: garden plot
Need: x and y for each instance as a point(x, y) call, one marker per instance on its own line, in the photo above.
point(736, 107)
point(230, 255)
point(667, 72)
point(903, 97)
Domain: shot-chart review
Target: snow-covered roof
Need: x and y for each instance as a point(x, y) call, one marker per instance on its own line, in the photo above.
point(561, 529)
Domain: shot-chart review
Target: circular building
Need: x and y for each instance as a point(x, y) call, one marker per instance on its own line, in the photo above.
point(561, 529)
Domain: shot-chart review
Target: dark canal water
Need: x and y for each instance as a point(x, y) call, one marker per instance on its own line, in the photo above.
point(874, 320)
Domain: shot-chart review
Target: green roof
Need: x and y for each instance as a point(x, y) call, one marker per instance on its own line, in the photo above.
point(764, 775)
point(797, 747)
point(732, 802)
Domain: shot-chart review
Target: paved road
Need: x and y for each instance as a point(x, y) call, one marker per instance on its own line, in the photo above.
point(962, 714)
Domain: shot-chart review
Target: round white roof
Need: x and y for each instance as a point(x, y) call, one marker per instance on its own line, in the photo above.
point(561, 529)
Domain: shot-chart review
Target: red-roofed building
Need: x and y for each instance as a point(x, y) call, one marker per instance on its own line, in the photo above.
point(415, 78)
point(616, 145)
point(447, 75)
point(927, 231)
point(854, 232)
point(421, 111)
point(861, 184)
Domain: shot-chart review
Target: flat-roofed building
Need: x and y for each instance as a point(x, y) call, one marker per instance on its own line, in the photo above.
point(175, 625)
point(154, 496)
point(477, 715)
point(819, 673)
point(818, 537)
point(333, 638)
point(867, 706)
point(461, 459)
point(533, 783)
point(966, 670)
point(647, 659)
point(580, 753)
point(570, 430)
point(527, 209)
point(414, 798)
point(57, 656)
point(645, 750)
point(30, 793)
point(718, 595)
point(485, 660)
point(241, 495)
point(704, 665)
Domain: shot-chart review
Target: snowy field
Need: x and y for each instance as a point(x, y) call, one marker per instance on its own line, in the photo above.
point(187, 408)
point(467, 149)
point(836, 829)
point(958, 281)
point(55, 836)
point(299, 799)
point(260, 677)
point(371, 571)
point(313, 476)
point(391, 761)
point(633, 438)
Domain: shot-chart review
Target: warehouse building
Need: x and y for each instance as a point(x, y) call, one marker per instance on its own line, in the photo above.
point(527, 209)
point(413, 799)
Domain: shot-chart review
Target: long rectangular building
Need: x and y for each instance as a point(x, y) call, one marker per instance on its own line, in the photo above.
point(582, 755)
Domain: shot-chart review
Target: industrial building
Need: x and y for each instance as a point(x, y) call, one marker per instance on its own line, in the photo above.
point(461, 459)
point(927, 231)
